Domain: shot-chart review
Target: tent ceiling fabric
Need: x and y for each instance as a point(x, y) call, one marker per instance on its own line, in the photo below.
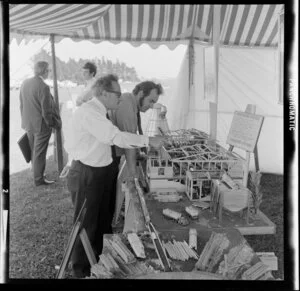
point(241, 25)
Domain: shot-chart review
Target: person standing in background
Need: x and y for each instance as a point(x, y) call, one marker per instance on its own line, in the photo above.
point(39, 115)
point(89, 73)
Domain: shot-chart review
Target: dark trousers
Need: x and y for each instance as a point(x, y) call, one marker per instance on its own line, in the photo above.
point(90, 183)
point(39, 145)
point(114, 171)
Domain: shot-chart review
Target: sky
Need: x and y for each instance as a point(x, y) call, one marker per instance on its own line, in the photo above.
point(157, 63)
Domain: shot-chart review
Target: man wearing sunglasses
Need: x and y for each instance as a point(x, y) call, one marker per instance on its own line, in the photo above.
point(89, 176)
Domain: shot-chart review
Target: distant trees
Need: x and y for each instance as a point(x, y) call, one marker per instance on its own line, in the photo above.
point(72, 70)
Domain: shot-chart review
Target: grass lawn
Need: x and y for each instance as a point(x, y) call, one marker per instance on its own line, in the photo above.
point(41, 221)
point(40, 224)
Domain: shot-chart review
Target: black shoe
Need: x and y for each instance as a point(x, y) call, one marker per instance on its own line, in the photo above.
point(44, 182)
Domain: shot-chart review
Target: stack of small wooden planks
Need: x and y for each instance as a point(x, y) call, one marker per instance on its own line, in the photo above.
point(212, 252)
point(180, 250)
point(255, 272)
point(234, 263)
point(117, 261)
point(167, 197)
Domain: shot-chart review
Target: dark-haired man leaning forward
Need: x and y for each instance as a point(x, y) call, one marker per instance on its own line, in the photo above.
point(89, 176)
point(127, 118)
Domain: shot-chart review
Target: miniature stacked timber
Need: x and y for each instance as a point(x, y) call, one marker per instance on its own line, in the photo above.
point(136, 244)
point(255, 272)
point(236, 261)
point(118, 261)
point(193, 238)
point(167, 197)
point(179, 250)
point(212, 252)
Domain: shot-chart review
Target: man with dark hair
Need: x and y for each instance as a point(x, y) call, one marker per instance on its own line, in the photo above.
point(127, 118)
point(89, 176)
point(89, 72)
point(39, 114)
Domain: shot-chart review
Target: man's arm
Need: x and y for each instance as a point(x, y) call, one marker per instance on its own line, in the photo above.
point(110, 134)
point(49, 110)
point(47, 106)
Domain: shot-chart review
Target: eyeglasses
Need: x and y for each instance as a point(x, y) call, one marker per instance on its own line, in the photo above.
point(115, 92)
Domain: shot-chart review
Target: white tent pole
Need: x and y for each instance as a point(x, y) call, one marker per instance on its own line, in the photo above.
point(192, 67)
point(216, 44)
point(58, 139)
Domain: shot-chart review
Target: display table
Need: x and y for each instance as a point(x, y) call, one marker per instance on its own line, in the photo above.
point(205, 267)
point(205, 223)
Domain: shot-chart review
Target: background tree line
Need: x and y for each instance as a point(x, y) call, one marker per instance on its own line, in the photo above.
point(72, 70)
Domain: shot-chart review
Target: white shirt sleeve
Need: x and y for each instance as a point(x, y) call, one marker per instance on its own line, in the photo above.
point(104, 131)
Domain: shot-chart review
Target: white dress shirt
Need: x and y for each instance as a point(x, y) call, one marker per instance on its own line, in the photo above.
point(93, 134)
point(86, 94)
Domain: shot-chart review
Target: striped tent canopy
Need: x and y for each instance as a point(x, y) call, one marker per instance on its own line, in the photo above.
point(241, 25)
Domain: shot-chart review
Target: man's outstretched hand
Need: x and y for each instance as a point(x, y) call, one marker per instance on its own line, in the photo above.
point(156, 141)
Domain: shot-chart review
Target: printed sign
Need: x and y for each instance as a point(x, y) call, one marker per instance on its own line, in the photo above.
point(244, 131)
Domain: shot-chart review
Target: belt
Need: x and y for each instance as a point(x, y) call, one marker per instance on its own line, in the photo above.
point(85, 165)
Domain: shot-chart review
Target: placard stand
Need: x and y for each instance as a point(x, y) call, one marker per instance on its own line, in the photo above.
point(77, 230)
point(244, 133)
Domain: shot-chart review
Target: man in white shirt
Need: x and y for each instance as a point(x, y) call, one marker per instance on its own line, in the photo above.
point(89, 176)
point(89, 73)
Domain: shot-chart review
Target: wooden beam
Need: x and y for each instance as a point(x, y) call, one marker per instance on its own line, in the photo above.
point(58, 139)
point(87, 247)
point(251, 108)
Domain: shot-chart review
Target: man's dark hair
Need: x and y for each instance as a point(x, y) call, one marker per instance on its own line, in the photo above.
point(104, 83)
point(91, 67)
point(146, 87)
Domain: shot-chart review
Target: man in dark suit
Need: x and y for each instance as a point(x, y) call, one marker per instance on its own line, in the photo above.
point(40, 115)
